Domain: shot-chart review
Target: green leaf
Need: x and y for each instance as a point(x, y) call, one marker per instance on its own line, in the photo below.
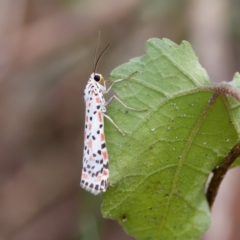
point(159, 170)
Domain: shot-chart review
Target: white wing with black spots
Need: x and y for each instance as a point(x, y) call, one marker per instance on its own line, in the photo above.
point(95, 172)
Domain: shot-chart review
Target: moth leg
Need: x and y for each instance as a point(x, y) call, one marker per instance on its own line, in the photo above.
point(106, 116)
point(118, 80)
point(112, 98)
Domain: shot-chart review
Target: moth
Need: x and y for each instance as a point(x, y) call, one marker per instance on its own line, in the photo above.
point(95, 171)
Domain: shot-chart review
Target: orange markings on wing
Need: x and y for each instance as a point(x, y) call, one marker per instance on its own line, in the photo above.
point(97, 100)
point(99, 178)
point(105, 156)
point(91, 158)
point(99, 116)
point(102, 137)
point(105, 173)
point(86, 118)
point(89, 143)
point(84, 176)
point(89, 105)
point(90, 127)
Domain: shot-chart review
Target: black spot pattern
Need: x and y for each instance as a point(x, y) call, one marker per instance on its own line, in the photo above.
point(106, 166)
point(93, 164)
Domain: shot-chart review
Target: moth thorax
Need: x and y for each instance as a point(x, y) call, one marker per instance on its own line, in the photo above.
point(97, 77)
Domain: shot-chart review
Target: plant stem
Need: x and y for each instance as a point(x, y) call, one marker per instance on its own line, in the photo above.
point(220, 172)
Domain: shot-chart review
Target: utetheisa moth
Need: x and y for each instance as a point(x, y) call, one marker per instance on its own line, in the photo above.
point(95, 171)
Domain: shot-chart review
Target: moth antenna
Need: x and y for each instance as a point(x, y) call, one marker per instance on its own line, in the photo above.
point(95, 53)
point(104, 50)
point(95, 61)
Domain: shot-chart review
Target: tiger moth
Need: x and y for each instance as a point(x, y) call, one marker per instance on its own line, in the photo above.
point(95, 170)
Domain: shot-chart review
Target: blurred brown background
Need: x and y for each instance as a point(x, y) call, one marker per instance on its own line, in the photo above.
point(46, 57)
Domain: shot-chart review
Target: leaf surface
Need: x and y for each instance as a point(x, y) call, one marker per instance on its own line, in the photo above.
point(158, 171)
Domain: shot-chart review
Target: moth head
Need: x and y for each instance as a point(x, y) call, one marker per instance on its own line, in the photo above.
point(97, 77)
